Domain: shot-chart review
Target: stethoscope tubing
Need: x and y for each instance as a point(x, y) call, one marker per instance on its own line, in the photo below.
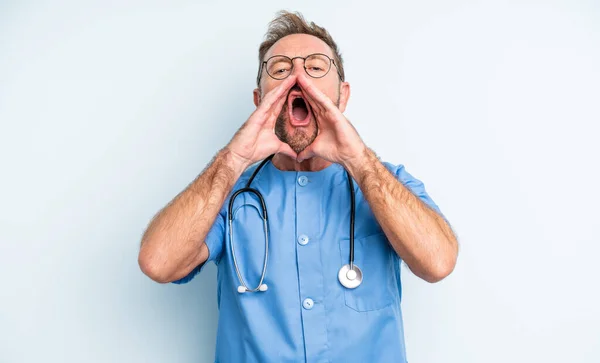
point(247, 188)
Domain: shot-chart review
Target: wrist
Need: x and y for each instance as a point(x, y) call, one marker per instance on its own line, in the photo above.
point(360, 157)
point(233, 161)
point(363, 160)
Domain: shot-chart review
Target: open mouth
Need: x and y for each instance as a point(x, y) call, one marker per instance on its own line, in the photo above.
point(299, 111)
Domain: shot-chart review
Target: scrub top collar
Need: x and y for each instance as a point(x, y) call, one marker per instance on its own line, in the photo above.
point(313, 176)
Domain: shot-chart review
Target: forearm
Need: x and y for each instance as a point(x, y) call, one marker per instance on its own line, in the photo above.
point(419, 235)
point(173, 243)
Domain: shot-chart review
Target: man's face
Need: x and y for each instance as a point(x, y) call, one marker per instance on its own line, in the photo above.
point(296, 124)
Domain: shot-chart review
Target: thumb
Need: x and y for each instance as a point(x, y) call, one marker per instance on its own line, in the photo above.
point(287, 150)
point(306, 154)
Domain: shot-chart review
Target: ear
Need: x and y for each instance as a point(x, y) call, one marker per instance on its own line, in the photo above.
point(257, 100)
point(344, 95)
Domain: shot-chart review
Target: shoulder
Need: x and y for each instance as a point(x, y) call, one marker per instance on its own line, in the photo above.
point(414, 184)
point(401, 173)
point(398, 170)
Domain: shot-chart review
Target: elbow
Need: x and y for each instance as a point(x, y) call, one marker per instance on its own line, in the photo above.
point(440, 270)
point(152, 268)
point(438, 274)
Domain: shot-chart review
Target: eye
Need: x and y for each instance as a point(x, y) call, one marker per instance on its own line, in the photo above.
point(279, 68)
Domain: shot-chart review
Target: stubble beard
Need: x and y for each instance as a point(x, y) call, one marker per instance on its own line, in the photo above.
point(300, 138)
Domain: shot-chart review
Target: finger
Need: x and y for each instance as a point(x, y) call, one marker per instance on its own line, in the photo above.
point(314, 104)
point(277, 93)
point(307, 153)
point(318, 111)
point(275, 111)
point(314, 93)
point(324, 110)
point(287, 150)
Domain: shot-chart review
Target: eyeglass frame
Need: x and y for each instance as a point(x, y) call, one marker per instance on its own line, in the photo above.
point(331, 61)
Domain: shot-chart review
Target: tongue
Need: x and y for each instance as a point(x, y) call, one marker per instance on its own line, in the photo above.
point(299, 113)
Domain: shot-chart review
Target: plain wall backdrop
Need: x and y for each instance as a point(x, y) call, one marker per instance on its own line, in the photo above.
point(109, 109)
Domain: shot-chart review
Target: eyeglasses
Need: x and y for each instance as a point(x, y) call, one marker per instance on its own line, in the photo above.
point(279, 67)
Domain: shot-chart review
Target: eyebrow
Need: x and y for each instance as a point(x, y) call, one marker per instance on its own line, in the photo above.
point(283, 55)
point(277, 55)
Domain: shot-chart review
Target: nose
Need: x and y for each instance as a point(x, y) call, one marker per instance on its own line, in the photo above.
point(297, 70)
point(298, 66)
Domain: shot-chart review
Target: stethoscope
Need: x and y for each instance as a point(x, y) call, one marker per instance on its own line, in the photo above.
point(350, 276)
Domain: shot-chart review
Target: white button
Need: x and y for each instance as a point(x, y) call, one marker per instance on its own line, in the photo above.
point(308, 303)
point(303, 180)
point(303, 239)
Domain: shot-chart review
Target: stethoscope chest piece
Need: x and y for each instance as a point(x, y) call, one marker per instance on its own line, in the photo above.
point(350, 278)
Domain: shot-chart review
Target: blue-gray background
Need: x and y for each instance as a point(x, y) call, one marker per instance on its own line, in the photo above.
point(110, 108)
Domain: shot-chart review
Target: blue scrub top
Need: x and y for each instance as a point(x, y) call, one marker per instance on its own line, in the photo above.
point(306, 315)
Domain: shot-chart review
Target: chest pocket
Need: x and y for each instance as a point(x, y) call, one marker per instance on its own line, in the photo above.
point(374, 256)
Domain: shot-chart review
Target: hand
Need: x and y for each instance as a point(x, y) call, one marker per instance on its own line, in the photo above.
point(337, 141)
point(256, 139)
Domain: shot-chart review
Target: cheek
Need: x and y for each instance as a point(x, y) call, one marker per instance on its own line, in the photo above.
point(332, 94)
point(264, 91)
point(269, 84)
point(330, 88)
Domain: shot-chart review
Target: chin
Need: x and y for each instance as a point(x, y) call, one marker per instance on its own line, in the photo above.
point(297, 137)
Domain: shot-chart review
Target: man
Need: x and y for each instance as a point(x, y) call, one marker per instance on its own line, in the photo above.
point(300, 311)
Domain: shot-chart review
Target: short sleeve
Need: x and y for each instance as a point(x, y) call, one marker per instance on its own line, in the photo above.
point(415, 185)
point(215, 241)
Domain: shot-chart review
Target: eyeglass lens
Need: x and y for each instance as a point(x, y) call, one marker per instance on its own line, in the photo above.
point(316, 65)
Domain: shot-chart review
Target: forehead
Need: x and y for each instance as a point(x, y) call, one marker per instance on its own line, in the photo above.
point(298, 45)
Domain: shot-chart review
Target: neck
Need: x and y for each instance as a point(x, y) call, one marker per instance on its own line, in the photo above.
point(286, 163)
